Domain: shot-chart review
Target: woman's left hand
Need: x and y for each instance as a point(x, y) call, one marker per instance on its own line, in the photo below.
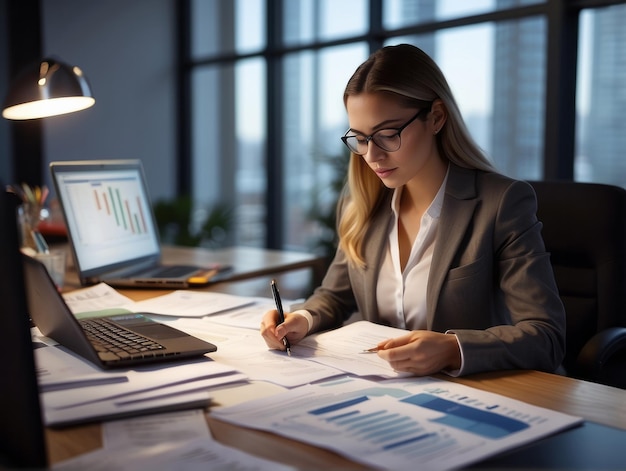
point(422, 352)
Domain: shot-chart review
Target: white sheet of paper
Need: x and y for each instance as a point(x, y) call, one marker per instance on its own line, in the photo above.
point(59, 369)
point(154, 429)
point(113, 409)
point(95, 298)
point(195, 455)
point(189, 303)
point(246, 351)
point(156, 387)
point(343, 348)
point(180, 303)
point(142, 380)
point(248, 317)
point(396, 424)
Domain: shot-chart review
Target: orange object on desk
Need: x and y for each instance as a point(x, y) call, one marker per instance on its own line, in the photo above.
point(52, 229)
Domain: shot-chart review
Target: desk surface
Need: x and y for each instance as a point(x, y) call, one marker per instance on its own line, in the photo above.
point(250, 266)
point(593, 402)
point(247, 262)
point(596, 403)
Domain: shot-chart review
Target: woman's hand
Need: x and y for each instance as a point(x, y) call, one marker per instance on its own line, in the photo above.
point(294, 328)
point(422, 352)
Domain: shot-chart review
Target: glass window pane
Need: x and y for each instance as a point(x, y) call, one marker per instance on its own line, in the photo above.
point(228, 138)
point(315, 119)
point(399, 13)
point(308, 21)
point(496, 72)
point(601, 97)
point(251, 129)
point(226, 26)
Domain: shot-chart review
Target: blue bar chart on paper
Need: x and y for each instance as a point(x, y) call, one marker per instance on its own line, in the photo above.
point(396, 424)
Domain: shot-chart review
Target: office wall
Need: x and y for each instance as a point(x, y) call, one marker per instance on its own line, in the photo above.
point(127, 50)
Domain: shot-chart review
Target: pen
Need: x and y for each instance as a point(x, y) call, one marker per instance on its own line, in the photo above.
point(371, 350)
point(281, 313)
point(40, 242)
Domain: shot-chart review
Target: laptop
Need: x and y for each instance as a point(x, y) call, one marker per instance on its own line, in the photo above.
point(112, 230)
point(115, 341)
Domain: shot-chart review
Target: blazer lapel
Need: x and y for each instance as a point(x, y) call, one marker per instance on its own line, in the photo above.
point(458, 209)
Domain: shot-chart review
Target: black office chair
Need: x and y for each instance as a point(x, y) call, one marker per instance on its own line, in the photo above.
point(584, 229)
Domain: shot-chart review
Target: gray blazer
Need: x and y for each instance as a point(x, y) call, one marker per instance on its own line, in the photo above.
point(491, 281)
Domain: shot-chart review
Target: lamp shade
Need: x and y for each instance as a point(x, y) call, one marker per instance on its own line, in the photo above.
point(47, 88)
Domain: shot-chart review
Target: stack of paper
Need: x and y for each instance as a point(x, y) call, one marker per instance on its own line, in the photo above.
point(74, 391)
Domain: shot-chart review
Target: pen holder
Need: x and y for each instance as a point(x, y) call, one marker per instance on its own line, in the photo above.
point(54, 261)
point(29, 216)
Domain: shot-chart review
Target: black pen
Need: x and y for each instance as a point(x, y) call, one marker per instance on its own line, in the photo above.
point(281, 313)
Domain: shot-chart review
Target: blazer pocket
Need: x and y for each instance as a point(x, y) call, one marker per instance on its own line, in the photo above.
point(466, 271)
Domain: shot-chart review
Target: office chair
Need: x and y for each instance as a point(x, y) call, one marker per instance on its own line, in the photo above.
point(584, 229)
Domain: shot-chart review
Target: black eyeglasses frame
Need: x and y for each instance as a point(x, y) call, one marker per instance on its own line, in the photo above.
point(371, 137)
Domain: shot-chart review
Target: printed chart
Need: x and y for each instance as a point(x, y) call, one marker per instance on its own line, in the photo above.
point(394, 424)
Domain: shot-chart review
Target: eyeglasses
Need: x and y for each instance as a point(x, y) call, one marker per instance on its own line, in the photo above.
point(387, 139)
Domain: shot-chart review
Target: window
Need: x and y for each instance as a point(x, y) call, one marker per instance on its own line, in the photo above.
point(400, 13)
point(267, 78)
point(601, 97)
point(308, 21)
point(315, 120)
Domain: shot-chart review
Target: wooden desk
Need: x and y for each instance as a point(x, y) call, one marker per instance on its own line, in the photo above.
point(596, 403)
point(250, 264)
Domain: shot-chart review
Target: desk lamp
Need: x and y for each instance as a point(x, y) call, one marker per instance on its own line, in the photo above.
point(47, 88)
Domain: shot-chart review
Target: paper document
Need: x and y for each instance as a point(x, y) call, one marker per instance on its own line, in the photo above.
point(248, 316)
point(245, 350)
point(398, 423)
point(188, 303)
point(181, 303)
point(116, 409)
point(151, 388)
point(175, 440)
point(200, 454)
point(58, 368)
point(155, 429)
point(95, 298)
point(343, 348)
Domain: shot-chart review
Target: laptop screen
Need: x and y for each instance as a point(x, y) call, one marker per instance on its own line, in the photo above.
point(107, 212)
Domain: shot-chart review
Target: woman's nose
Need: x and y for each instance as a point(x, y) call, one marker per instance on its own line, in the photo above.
point(374, 153)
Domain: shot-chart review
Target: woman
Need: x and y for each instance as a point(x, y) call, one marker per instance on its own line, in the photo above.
point(431, 238)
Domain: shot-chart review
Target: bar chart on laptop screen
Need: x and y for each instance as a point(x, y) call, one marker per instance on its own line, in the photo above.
point(109, 210)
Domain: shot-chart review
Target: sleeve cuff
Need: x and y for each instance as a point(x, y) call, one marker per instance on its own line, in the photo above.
point(307, 315)
point(456, 373)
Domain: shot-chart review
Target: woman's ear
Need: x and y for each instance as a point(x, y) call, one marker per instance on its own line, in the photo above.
point(438, 116)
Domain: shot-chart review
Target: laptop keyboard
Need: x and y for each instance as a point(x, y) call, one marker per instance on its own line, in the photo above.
point(112, 341)
point(173, 271)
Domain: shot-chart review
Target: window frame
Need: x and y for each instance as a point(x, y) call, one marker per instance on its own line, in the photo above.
point(562, 17)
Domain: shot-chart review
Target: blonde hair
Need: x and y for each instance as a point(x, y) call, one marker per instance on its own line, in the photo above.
point(410, 76)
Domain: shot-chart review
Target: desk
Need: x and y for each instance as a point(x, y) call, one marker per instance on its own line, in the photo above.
point(595, 403)
point(249, 264)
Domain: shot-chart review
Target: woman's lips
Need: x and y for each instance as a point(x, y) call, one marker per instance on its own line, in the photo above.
point(383, 172)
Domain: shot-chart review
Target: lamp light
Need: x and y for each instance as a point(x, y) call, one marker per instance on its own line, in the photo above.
point(47, 88)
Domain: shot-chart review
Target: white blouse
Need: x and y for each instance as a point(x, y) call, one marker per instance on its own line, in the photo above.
point(401, 295)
